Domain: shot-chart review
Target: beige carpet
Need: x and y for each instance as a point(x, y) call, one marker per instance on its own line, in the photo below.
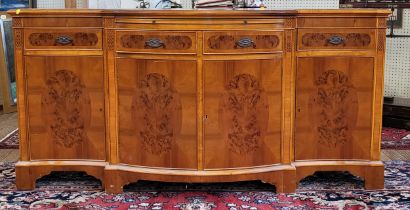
point(9, 155)
point(8, 122)
point(388, 155)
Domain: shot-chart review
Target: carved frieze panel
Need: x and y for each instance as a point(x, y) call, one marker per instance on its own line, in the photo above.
point(110, 41)
point(17, 22)
point(18, 38)
point(381, 40)
point(289, 41)
point(109, 22)
point(290, 23)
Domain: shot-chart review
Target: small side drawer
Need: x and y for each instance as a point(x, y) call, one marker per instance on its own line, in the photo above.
point(238, 42)
point(63, 39)
point(156, 41)
point(339, 39)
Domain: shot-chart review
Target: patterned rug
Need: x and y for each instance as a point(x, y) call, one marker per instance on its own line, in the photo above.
point(325, 190)
point(11, 141)
point(392, 138)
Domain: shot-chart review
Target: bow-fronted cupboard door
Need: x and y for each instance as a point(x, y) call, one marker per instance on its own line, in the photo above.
point(242, 99)
point(157, 112)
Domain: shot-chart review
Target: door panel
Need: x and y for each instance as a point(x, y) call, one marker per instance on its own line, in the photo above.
point(333, 107)
point(242, 112)
point(66, 107)
point(157, 112)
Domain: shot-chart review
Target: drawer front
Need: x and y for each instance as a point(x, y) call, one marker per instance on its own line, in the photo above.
point(63, 39)
point(242, 42)
point(156, 42)
point(340, 39)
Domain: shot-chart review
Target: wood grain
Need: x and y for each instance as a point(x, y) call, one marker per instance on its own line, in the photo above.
point(63, 39)
point(66, 107)
point(241, 99)
point(199, 95)
point(333, 108)
point(254, 41)
point(157, 112)
point(158, 42)
point(321, 39)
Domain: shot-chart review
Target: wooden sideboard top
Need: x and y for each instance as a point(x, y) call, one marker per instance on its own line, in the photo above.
point(196, 13)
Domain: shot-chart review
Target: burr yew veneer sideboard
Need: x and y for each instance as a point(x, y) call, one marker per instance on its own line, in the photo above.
point(199, 95)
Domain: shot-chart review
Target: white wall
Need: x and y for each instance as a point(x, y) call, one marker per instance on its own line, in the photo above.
point(50, 4)
point(397, 68)
point(271, 4)
point(104, 4)
point(127, 4)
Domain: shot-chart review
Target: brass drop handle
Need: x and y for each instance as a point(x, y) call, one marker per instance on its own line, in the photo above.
point(64, 40)
point(245, 42)
point(336, 40)
point(154, 43)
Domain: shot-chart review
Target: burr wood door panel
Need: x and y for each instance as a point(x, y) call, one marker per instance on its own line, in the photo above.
point(334, 107)
point(65, 97)
point(157, 112)
point(242, 105)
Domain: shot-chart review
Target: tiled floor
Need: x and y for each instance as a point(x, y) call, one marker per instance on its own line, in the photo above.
point(8, 122)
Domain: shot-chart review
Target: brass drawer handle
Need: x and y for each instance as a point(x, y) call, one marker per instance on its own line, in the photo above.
point(64, 40)
point(336, 40)
point(154, 43)
point(245, 42)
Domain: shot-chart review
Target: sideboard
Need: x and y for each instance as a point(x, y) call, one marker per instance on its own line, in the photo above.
point(199, 95)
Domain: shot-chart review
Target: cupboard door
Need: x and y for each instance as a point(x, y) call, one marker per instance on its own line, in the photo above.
point(65, 97)
point(242, 102)
point(334, 107)
point(157, 112)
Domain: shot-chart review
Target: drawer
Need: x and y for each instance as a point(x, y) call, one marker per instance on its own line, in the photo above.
point(339, 39)
point(242, 42)
point(63, 39)
point(156, 42)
